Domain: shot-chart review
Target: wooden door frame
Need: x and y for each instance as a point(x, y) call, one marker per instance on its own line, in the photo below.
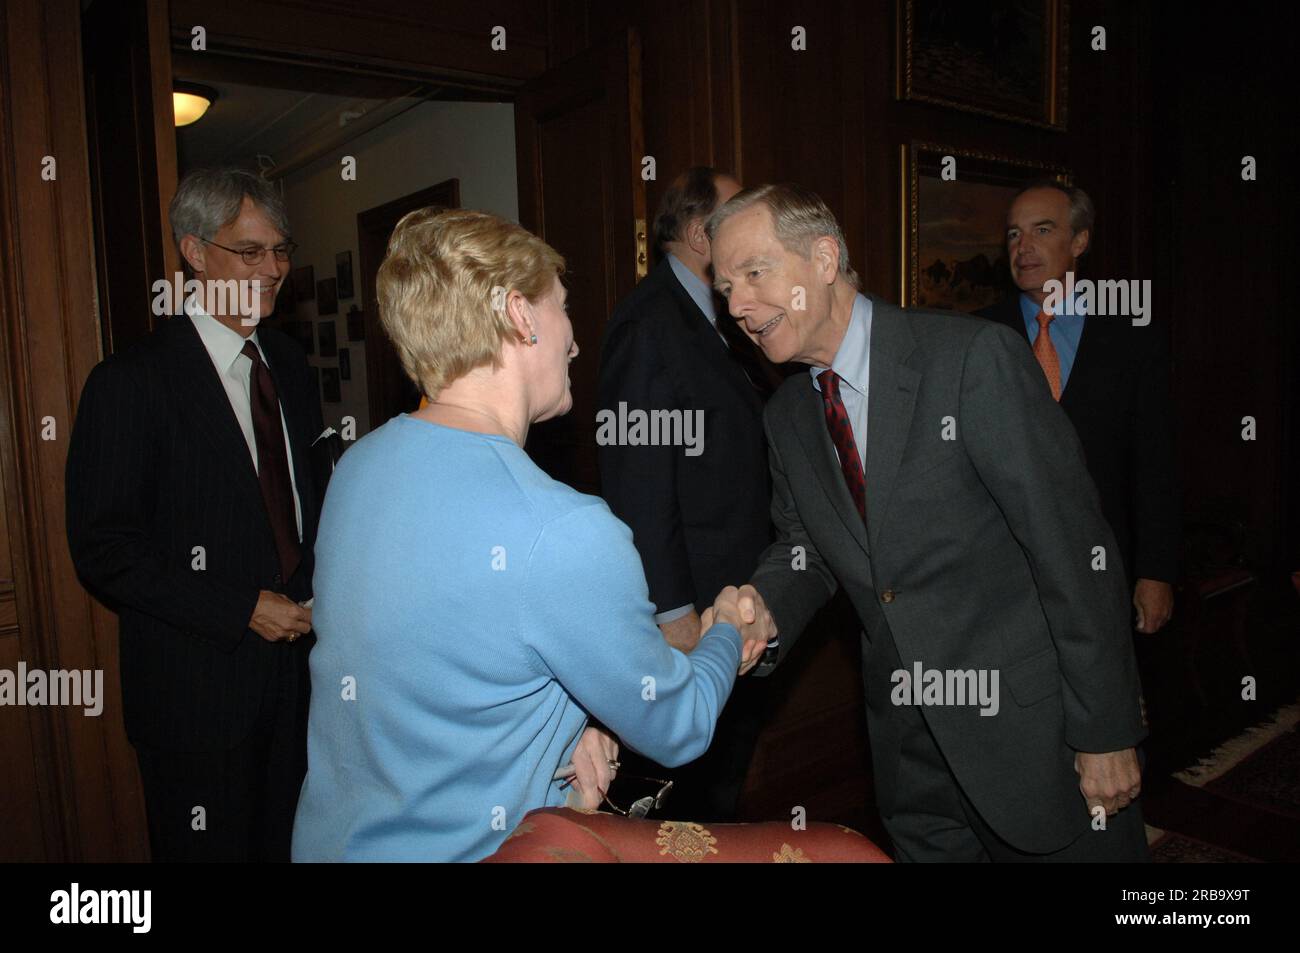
point(374, 225)
point(92, 807)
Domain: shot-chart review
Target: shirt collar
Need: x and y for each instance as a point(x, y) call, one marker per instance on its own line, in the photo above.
point(1029, 309)
point(696, 287)
point(224, 344)
point(852, 362)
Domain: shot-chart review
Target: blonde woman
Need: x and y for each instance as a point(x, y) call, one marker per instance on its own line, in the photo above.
point(471, 611)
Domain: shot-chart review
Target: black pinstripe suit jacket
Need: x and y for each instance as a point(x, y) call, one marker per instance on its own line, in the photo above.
point(167, 527)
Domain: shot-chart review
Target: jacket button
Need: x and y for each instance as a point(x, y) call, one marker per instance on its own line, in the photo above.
point(887, 596)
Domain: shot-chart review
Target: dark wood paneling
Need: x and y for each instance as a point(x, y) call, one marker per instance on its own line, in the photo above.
point(21, 836)
point(132, 160)
point(81, 768)
point(451, 39)
point(579, 142)
point(1223, 248)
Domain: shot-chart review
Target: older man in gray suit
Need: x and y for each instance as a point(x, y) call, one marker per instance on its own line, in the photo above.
point(924, 467)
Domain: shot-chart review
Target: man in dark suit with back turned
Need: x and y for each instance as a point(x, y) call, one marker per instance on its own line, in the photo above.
point(921, 466)
point(699, 521)
point(192, 510)
point(1111, 379)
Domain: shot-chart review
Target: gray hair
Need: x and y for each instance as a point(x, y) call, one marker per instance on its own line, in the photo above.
point(207, 199)
point(1083, 213)
point(799, 217)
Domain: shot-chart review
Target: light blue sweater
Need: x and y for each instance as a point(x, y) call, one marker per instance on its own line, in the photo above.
point(470, 612)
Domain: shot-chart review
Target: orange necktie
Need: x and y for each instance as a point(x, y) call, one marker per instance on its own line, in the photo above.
point(1045, 351)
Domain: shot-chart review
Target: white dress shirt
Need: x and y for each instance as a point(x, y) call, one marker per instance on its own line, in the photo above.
point(235, 368)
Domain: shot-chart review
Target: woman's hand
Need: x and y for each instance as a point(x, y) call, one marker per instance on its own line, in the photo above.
point(591, 762)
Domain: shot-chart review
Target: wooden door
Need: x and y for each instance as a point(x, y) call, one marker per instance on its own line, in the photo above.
point(69, 789)
point(131, 137)
point(388, 389)
point(579, 147)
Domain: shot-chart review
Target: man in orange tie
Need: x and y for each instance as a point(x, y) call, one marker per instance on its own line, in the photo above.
point(1112, 380)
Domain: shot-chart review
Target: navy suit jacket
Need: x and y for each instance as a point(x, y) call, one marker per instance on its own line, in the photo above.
point(158, 466)
point(699, 522)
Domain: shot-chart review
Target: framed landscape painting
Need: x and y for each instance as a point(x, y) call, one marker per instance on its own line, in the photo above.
point(954, 253)
point(1003, 58)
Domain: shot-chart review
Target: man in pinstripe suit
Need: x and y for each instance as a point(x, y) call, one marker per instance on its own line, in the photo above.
point(192, 510)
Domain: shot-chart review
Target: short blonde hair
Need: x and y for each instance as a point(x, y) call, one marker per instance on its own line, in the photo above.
point(799, 217)
point(442, 289)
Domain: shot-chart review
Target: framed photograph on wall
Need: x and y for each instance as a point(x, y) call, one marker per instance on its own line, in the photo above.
point(345, 364)
point(343, 274)
point(356, 324)
point(304, 283)
point(328, 339)
point(327, 301)
point(1003, 58)
point(329, 382)
point(954, 252)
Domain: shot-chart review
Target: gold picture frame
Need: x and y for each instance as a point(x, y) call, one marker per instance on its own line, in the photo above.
point(953, 236)
point(1008, 59)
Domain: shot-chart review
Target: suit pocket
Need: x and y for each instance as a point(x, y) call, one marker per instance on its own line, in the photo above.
point(1034, 679)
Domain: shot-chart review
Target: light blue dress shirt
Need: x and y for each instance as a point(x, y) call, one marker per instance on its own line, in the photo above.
point(698, 289)
point(1065, 331)
point(852, 363)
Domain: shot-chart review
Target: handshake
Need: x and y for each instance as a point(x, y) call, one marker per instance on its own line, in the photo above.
point(743, 608)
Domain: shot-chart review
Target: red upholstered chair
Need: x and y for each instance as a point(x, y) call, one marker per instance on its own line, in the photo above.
point(558, 835)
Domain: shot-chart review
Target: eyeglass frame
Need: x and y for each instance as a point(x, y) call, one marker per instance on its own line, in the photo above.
point(289, 246)
point(642, 806)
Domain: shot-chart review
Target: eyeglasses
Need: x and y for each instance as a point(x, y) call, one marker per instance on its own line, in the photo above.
point(644, 805)
point(254, 254)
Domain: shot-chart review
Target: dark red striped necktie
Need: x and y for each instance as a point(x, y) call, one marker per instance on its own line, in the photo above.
point(273, 462)
point(837, 422)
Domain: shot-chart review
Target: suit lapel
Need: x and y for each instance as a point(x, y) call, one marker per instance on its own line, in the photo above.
point(891, 398)
point(810, 424)
point(211, 412)
point(709, 342)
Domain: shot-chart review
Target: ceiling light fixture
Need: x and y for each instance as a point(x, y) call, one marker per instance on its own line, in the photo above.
point(190, 101)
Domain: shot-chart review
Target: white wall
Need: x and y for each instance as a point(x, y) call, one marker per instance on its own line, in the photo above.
point(473, 142)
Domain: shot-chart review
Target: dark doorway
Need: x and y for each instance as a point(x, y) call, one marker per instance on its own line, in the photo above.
point(391, 391)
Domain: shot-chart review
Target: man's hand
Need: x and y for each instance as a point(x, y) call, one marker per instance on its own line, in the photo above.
point(745, 609)
point(1155, 604)
point(683, 634)
point(278, 618)
point(1112, 780)
point(591, 762)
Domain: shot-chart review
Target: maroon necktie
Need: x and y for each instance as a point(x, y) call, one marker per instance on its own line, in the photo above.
point(837, 422)
point(273, 462)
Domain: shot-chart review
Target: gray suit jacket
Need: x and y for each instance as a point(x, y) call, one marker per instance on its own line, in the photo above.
point(978, 553)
